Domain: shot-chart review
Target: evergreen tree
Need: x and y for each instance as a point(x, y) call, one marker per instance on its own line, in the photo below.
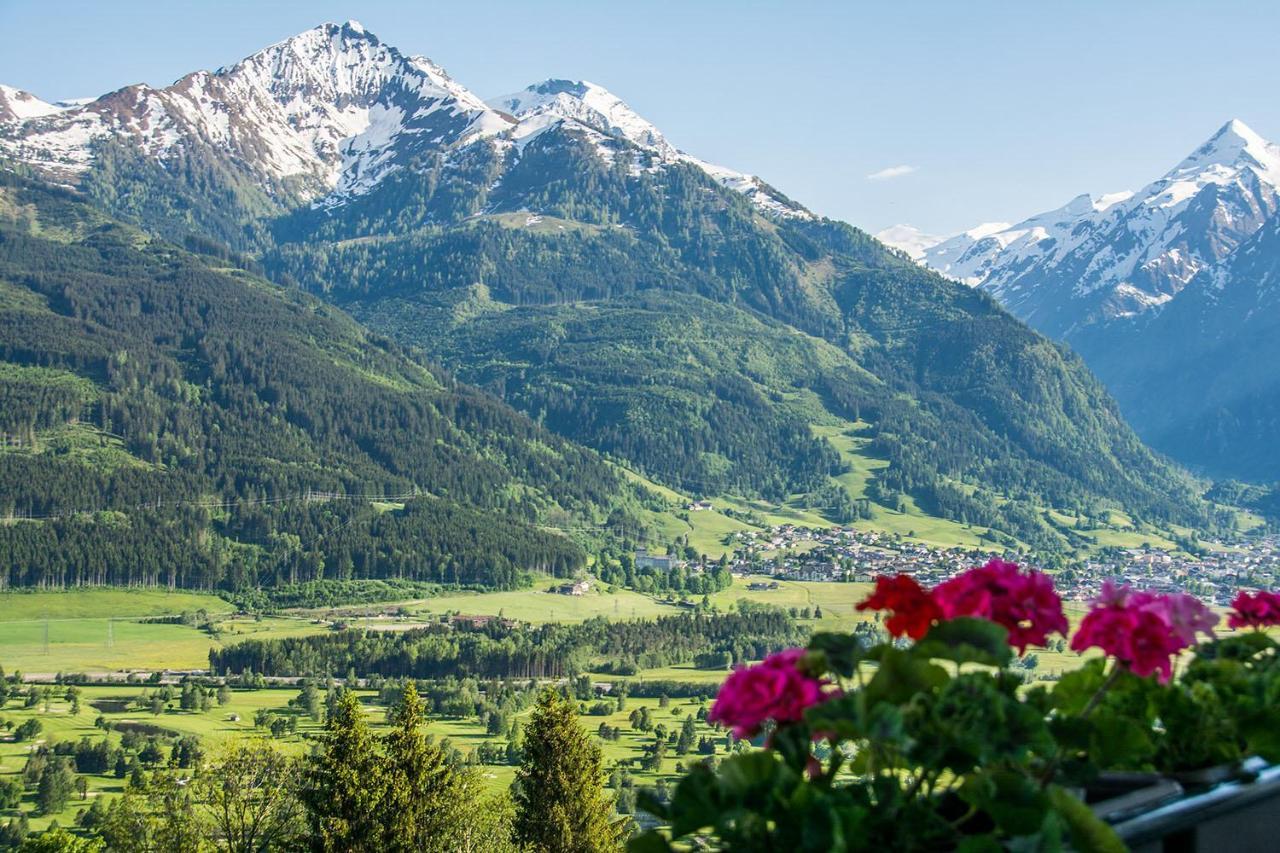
point(344, 783)
point(57, 782)
point(559, 796)
point(424, 793)
point(688, 736)
point(309, 699)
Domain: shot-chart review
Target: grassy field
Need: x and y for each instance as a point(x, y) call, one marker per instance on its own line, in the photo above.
point(100, 630)
point(102, 601)
point(537, 605)
point(214, 727)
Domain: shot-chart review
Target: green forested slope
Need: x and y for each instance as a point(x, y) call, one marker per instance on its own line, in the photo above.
point(660, 317)
point(650, 312)
point(164, 415)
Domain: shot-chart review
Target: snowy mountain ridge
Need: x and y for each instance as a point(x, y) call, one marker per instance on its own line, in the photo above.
point(329, 114)
point(591, 107)
point(1123, 254)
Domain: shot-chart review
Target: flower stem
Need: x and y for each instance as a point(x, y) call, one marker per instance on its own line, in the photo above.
point(1102, 690)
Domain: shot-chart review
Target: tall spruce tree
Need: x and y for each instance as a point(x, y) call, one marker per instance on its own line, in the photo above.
point(344, 784)
point(424, 796)
point(561, 806)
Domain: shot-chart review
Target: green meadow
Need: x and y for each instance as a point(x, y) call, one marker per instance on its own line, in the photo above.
point(102, 630)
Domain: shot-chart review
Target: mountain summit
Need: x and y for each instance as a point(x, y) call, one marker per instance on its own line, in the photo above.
point(327, 113)
point(1123, 254)
point(325, 116)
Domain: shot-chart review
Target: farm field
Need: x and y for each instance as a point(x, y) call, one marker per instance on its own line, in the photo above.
point(81, 644)
point(537, 605)
point(101, 630)
point(92, 602)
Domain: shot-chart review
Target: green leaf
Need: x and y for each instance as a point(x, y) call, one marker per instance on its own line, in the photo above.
point(1074, 690)
point(1242, 646)
point(967, 640)
point(1118, 741)
point(901, 676)
point(1011, 798)
point(1262, 737)
point(750, 773)
point(841, 652)
point(1089, 834)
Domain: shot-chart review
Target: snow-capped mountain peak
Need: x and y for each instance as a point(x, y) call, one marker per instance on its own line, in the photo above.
point(332, 107)
point(1123, 254)
point(595, 109)
point(1234, 145)
point(17, 105)
point(582, 101)
point(328, 114)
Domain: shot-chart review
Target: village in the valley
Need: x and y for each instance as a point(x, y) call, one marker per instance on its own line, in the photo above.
point(848, 554)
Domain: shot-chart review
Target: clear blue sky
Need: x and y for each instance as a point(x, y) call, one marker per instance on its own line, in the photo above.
point(1001, 109)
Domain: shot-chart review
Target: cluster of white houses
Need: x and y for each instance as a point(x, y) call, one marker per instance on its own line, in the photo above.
point(846, 554)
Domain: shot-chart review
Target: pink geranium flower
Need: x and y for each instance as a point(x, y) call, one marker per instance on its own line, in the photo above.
point(774, 689)
point(1143, 630)
point(1259, 609)
point(1023, 602)
point(1186, 615)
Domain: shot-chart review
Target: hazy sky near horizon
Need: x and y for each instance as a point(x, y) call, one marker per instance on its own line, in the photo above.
point(938, 114)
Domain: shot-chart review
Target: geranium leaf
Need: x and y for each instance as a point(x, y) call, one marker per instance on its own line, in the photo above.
point(1012, 800)
point(967, 640)
point(1089, 834)
point(901, 675)
point(842, 652)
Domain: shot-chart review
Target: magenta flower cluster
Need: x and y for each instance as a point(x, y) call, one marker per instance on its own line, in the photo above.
point(1023, 602)
point(775, 689)
point(1255, 610)
point(1143, 630)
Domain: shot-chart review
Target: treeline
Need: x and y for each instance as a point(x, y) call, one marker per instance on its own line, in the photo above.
point(496, 651)
point(429, 540)
point(328, 593)
point(703, 579)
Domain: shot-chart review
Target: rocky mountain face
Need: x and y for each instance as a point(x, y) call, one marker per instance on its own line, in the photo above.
point(1200, 375)
point(555, 248)
point(1135, 282)
point(331, 110)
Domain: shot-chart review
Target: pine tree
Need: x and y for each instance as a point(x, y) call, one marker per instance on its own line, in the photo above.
point(688, 736)
point(55, 787)
point(421, 807)
point(344, 784)
point(559, 795)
